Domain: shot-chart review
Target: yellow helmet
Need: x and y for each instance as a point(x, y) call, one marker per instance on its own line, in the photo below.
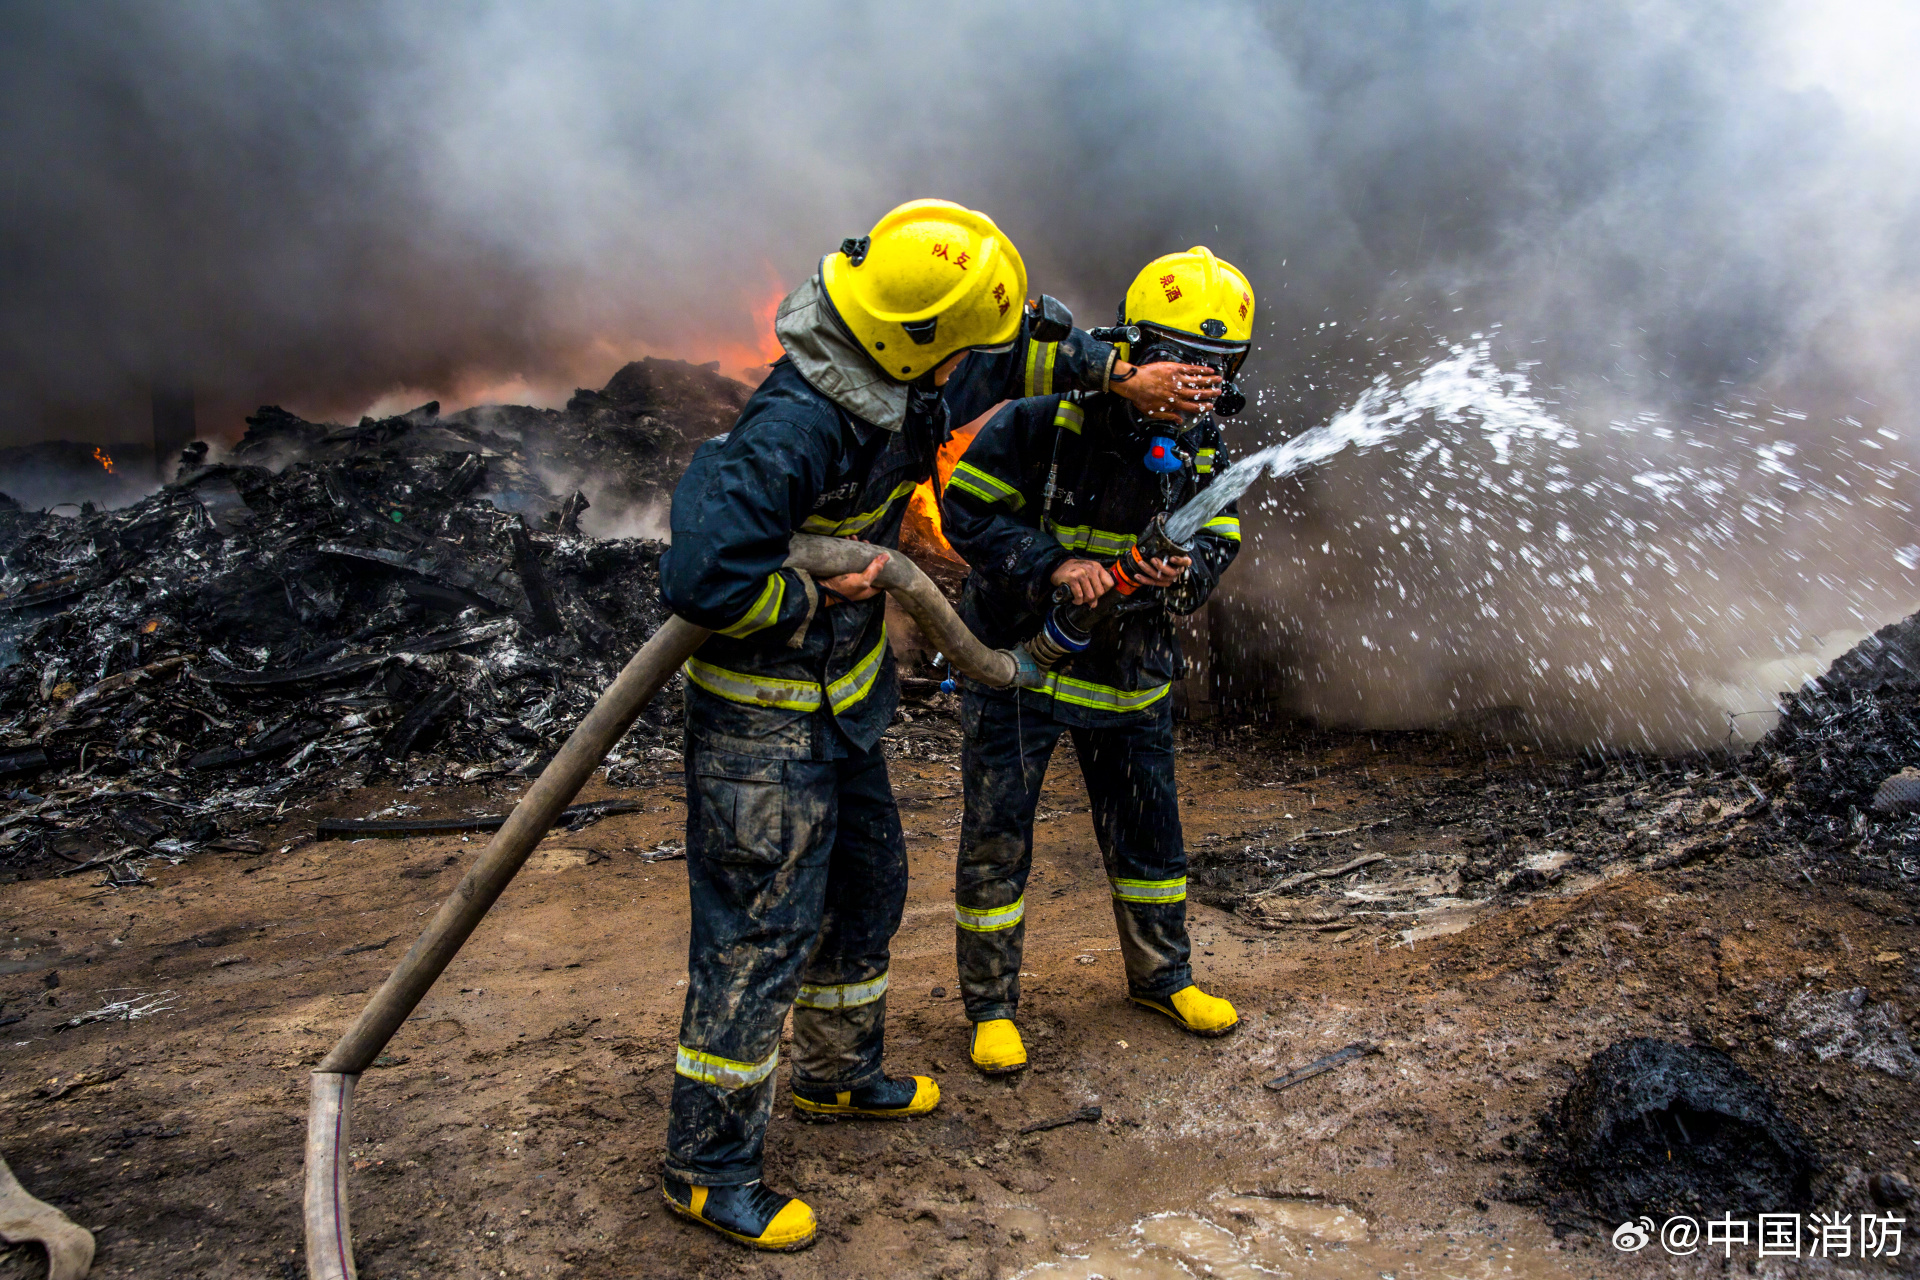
point(931, 279)
point(1193, 295)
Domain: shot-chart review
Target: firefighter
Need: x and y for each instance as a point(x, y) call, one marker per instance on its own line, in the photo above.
point(1051, 490)
point(796, 862)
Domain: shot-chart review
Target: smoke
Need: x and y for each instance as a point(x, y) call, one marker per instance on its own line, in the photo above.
point(1669, 209)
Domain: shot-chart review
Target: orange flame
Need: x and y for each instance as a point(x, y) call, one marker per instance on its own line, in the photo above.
point(100, 456)
point(923, 510)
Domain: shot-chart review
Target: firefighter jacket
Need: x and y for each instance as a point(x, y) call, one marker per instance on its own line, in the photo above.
point(802, 458)
point(997, 516)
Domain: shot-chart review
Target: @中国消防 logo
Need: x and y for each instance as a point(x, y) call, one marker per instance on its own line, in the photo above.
point(1771, 1235)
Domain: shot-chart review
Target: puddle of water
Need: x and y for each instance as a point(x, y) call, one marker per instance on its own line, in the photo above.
point(1249, 1238)
point(27, 955)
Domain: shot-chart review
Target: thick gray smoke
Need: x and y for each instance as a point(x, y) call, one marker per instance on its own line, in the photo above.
point(1673, 207)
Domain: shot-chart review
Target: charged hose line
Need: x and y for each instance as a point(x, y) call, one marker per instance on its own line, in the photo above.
point(329, 1245)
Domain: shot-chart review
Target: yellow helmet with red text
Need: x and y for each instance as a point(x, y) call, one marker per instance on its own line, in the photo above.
point(930, 279)
point(1193, 293)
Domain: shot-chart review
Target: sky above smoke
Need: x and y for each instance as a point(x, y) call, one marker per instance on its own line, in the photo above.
point(1671, 207)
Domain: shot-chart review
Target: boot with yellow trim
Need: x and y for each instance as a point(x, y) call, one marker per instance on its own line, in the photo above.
point(884, 1099)
point(1194, 1010)
point(747, 1212)
point(997, 1048)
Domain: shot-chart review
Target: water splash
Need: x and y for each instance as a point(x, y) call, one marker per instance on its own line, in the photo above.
point(1648, 579)
point(1465, 388)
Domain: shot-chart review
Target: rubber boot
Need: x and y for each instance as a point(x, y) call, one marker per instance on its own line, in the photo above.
point(884, 1099)
point(1194, 1010)
point(997, 1049)
point(746, 1212)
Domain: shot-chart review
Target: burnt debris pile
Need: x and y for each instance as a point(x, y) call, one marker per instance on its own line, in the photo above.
point(1844, 760)
point(1655, 1128)
point(411, 597)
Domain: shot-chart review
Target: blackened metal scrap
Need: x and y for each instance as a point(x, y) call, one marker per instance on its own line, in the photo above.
point(440, 564)
point(400, 828)
point(419, 720)
point(32, 760)
point(533, 581)
point(315, 673)
point(1084, 1114)
point(1358, 1049)
point(294, 731)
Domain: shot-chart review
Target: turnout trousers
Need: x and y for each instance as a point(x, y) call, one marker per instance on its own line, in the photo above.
point(797, 870)
point(1128, 768)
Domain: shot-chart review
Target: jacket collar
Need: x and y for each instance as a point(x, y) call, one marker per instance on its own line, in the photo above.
point(832, 363)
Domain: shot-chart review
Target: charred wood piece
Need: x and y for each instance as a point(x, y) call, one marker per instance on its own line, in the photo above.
point(400, 829)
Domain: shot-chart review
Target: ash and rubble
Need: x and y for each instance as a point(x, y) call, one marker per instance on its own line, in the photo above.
point(1834, 790)
point(407, 598)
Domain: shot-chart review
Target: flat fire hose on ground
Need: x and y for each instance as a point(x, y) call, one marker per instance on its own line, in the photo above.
point(329, 1245)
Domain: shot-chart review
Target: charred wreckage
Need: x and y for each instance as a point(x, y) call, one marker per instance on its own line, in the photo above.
point(409, 597)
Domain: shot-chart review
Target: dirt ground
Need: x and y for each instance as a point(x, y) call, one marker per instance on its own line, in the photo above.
point(515, 1127)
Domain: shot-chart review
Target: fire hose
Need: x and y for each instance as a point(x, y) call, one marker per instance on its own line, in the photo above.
point(329, 1244)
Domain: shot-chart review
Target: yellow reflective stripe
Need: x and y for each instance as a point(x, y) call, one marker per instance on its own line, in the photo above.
point(1203, 461)
point(1149, 890)
point(1081, 537)
point(765, 610)
point(756, 691)
point(1085, 693)
point(711, 1068)
point(848, 995)
point(1069, 417)
point(1040, 357)
point(860, 523)
point(1223, 526)
point(992, 918)
point(985, 487)
point(858, 683)
point(792, 695)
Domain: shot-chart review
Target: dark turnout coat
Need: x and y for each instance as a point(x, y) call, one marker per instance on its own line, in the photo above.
point(998, 518)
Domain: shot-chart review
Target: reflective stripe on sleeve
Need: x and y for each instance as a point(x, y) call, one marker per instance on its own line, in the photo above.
point(992, 918)
point(1203, 461)
point(1040, 357)
point(725, 1073)
point(1081, 537)
point(848, 995)
point(858, 683)
point(1227, 527)
point(1085, 693)
point(971, 479)
point(1069, 417)
point(765, 610)
point(1149, 890)
point(857, 524)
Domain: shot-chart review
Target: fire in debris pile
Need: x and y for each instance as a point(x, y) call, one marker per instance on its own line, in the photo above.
point(406, 596)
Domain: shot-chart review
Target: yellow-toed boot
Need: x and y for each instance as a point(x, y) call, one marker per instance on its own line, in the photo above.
point(1194, 1010)
point(748, 1213)
point(996, 1047)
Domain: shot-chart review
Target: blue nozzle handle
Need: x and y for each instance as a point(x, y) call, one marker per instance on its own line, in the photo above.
point(1162, 456)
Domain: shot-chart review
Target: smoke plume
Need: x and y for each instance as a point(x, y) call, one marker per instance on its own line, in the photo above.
point(1670, 212)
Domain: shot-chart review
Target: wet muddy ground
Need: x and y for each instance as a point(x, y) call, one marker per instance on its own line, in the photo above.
point(515, 1126)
